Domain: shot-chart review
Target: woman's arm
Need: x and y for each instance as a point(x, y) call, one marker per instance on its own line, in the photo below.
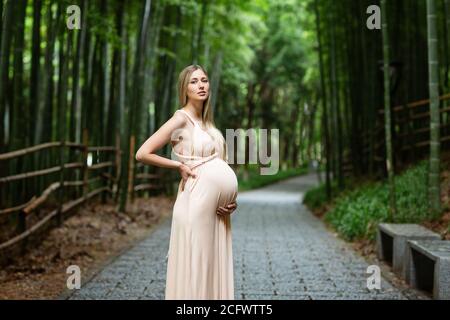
point(146, 153)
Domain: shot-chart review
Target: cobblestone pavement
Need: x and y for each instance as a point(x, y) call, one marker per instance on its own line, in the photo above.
point(280, 251)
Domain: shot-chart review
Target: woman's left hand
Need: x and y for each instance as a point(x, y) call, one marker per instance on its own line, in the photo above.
point(228, 209)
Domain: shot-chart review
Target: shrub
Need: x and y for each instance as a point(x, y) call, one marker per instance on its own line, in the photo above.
point(357, 212)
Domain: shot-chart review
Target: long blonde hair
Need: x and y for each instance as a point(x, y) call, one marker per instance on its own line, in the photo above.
point(207, 113)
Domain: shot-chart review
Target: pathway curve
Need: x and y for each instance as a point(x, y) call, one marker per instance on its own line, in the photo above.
point(281, 251)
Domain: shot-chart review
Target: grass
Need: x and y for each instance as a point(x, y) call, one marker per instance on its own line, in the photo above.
point(255, 179)
point(317, 197)
point(356, 212)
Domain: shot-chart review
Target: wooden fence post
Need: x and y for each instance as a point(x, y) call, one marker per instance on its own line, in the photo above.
point(410, 135)
point(115, 183)
point(104, 174)
point(61, 183)
point(21, 228)
point(85, 168)
point(131, 169)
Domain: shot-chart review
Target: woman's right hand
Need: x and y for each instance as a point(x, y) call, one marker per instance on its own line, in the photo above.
point(185, 173)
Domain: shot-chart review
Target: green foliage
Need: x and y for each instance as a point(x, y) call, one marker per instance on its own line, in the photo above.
point(356, 213)
point(317, 196)
point(256, 180)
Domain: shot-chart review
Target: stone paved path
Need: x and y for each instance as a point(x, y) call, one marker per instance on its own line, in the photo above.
point(280, 251)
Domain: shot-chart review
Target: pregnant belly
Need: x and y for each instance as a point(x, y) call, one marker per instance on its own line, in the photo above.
point(221, 179)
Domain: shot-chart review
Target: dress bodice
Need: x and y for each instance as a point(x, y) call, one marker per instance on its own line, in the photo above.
point(193, 145)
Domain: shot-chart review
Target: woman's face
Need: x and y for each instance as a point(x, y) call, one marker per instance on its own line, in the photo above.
point(198, 87)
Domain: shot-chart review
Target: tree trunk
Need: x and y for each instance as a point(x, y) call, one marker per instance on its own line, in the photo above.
point(433, 74)
point(387, 110)
point(201, 26)
point(123, 113)
point(18, 119)
point(35, 68)
point(135, 111)
point(324, 104)
point(5, 47)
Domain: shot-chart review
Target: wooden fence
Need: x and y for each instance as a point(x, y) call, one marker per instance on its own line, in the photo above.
point(106, 173)
point(410, 132)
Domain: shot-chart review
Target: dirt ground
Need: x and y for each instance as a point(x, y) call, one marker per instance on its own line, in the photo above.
point(89, 238)
point(97, 233)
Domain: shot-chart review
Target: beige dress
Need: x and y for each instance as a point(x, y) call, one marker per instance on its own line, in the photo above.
point(200, 261)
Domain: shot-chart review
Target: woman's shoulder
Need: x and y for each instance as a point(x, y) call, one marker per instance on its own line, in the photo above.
point(179, 117)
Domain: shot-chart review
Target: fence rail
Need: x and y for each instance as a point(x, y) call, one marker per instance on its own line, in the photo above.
point(107, 172)
point(410, 123)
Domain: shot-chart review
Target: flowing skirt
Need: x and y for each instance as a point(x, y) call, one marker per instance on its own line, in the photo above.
point(200, 261)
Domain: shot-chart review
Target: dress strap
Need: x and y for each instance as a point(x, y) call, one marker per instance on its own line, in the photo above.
point(190, 118)
point(194, 161)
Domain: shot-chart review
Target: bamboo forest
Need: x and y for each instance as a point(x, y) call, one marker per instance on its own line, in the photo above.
point(357, 92)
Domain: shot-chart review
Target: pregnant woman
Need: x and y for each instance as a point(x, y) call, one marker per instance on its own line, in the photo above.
point(200, 261)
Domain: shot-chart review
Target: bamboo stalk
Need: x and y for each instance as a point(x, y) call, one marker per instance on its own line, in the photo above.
point(131, 168)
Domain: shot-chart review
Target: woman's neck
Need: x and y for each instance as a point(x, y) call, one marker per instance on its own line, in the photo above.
point(195, 108)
